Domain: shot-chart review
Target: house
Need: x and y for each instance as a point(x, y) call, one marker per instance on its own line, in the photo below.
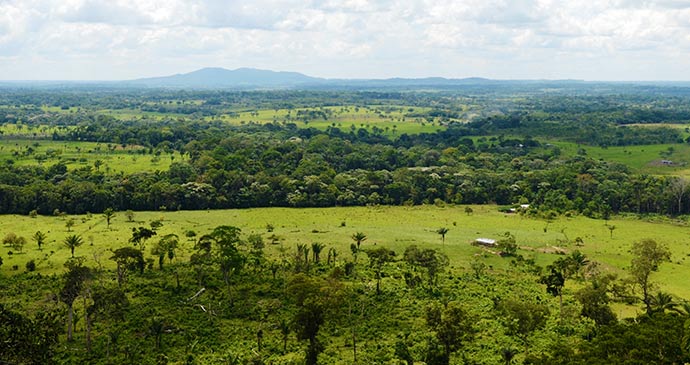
point(488, 242)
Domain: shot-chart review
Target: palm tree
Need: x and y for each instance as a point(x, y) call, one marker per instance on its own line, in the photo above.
point(284, 327)
point(507, 354)
point(73, 242)
point(662, 302)
point(359, 237)
point(316, 249)
point(40, 239)
point(156, 329)
point(108, 214)
point(442, 231)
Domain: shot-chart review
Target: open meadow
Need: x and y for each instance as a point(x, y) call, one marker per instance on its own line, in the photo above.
point(106, 157)
point(385, 226)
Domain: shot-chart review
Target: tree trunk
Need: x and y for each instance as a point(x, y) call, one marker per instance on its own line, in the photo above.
point(88, 333)
point(70, 321)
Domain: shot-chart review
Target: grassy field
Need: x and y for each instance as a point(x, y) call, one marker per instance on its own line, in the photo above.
point(391, 120)
point(641, 159)
point(392, 227)
point(114, 158)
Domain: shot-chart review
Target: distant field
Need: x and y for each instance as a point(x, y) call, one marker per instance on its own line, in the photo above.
point(114, 158)
point(641, 159)
point(392, 227)
point(391, 120)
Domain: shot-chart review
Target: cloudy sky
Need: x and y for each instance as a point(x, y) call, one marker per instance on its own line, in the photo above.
point(503, 39)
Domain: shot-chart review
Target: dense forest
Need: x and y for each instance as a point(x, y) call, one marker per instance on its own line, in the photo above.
point(244, 298)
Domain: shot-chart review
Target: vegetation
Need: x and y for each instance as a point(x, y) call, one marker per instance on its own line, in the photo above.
point(578, 195)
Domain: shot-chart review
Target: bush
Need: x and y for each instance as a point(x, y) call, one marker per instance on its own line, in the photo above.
point(31, 266)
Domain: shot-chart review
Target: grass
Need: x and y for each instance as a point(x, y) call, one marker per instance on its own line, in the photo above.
point(644, 159)
point(115, 158)
point(391, 121)
point(392, 227)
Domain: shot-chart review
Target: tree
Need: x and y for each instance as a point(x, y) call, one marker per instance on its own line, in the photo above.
point(97, 164)
point(468, 210)
point(156, 329)
point(316, 248)
point(507, 354)
point(166, 246)
point(69, 224)
point(554, 282)
point(107, 303)
point(228, 255)
point(140, 235)
point(284, 327)
point(71, 289)
point(663, 302)
point(678, 187)
point(378, 257)
point(431, 260)
point(127, 259)
point(611, 228)
point(359, 237)
point(452, 325)
point(647, 256)
point(559, 271)
point(28, 341)
point(314, 299)
point(595, 300)
point(40, 239)
point(442, 231)
point(72, 242)
point(507, 245)
point(523, 317)
point(15, 242)
point(108, 214)
point(129, 214)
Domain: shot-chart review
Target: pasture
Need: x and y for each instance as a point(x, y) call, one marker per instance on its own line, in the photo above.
point(106, 157)
point(645, 159)
point(392, 227)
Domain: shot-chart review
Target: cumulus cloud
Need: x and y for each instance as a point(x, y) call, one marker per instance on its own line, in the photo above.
point(96, 39)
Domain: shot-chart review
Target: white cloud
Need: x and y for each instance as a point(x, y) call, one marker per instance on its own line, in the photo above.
point(87, 39)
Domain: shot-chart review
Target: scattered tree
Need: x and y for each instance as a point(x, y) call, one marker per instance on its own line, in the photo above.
point(378, 257)
point(359, 237)
point(108, 214)
point(442, 231)
point(40, 239)
point(647, 256)
point(452, 326)
point(72, 242)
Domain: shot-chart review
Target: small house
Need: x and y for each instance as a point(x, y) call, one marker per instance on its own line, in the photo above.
point(487, 242)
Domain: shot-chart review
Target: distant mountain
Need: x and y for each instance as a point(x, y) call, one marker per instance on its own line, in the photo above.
point(215, 77)
point(250, 78)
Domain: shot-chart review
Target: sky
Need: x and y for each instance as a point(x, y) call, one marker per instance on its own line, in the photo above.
point(500, 39)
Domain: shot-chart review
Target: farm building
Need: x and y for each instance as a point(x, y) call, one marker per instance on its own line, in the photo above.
point(488, 242)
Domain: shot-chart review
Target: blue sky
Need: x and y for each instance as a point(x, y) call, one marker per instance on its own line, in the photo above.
point(518, 39)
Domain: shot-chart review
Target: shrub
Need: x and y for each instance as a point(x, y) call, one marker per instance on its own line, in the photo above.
point(31, 266)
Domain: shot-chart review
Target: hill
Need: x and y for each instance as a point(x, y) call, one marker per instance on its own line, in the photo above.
point(223, 78)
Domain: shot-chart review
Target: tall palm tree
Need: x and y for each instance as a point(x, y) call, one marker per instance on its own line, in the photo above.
point(359, 237)
point(507, 354)
point(662, 302)
point(40, 239)
point(108, 214)
point(316, 249)
point(442, 231)
point(73, 242)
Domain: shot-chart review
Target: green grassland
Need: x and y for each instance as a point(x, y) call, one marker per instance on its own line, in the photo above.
point(645, 159)
point(114, 158)
point(392, 227)
point(391, 120)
